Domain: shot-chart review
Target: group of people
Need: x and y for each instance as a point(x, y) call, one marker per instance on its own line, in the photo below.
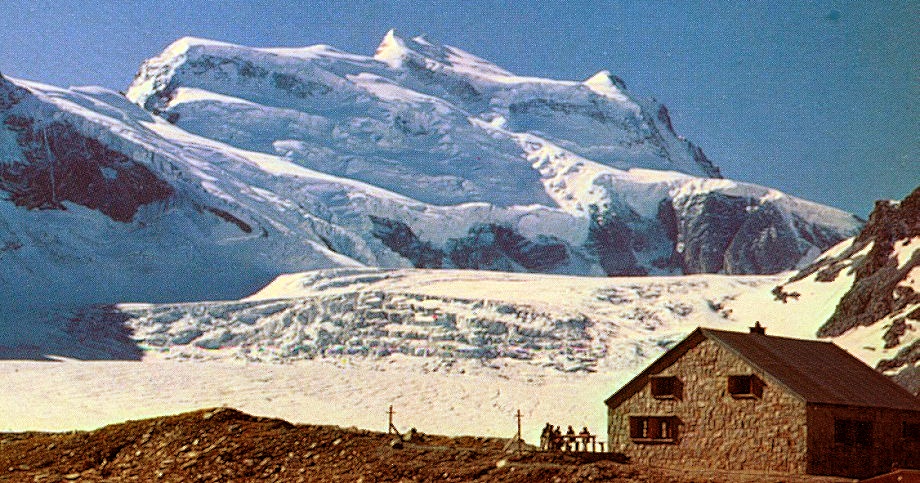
point(552, 439)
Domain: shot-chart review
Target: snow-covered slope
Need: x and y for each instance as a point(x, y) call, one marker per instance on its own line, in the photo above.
point(226, 166)
point(411, 109)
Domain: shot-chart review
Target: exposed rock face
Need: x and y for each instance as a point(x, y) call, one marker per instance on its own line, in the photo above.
point(667, 217)
point(705, 233)
point(708, 223)
point(612, 240)
point(903, 367)
point(63, 165)
point(765, 243)
point(10, 94)
point(452, 86)
point(488, 247)
point(400, 238)
point(697, 152)
point(878, 289)
point(815, 234)
point(737, 235)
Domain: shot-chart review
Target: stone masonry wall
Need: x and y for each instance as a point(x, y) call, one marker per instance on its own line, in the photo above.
point(716, 430)
point(889, 447)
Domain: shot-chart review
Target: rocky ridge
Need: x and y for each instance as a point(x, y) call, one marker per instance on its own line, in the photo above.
point(224, 444)
point(884, 262)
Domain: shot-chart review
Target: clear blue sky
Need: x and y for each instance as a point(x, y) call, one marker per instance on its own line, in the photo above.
point(818, 99)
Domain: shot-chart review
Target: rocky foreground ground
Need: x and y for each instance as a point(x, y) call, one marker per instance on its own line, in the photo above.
point(228, 445)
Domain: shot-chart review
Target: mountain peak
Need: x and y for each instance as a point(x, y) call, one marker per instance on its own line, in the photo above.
point(183, 44)
point(606, 84)
point(392, 49)
point(606, 79)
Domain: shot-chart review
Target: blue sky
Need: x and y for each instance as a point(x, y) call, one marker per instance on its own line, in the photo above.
point(818, 98)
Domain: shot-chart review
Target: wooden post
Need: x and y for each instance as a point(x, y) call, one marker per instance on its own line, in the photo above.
point(391, 429)
point(517, 441)
point(519, 426)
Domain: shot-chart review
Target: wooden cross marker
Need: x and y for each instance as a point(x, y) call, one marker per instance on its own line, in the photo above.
point(519, 424)
point(391, 428)
point(518, 441)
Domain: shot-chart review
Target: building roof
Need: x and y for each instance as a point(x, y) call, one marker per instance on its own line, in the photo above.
point(817, 372)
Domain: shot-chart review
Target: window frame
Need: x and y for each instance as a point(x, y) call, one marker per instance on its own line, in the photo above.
point(856, 433)
point(910, 431)
point(648, 429)
point(674, 386)
point(751, 389)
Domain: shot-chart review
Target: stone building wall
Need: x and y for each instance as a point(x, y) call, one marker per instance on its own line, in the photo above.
point(888, 445)
point(716, 430)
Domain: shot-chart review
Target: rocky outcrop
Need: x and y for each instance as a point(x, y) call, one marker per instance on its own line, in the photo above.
point(397, 236)
point(904, 366)
point(708, 223)
point(709, 233)
point(719, 233)
point(877, 290)
point(487, 247)
point(496, 247)
point(611, 238)
point(664, 117)
point(453, 86)
point(883, 261)
point(64, 165)
point(10, 94)
point(764, 243)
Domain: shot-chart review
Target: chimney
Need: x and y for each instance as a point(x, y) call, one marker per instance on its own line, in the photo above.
point(758, 329)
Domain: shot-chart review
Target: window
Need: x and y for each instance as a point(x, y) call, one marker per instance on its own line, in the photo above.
point(666, 387)
point(748, 386)
point(653, 429)
point(911, 431)
point(853, 433)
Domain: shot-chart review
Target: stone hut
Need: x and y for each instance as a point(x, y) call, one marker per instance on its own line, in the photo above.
point(753, 402)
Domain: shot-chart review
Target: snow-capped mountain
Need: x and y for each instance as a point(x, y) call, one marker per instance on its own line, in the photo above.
point(224, 166)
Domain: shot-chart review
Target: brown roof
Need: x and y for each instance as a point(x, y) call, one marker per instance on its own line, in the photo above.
point(817, 372)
